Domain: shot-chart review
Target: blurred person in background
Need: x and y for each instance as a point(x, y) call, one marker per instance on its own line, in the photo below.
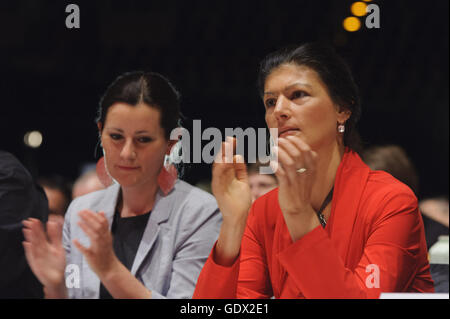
point(59, 194)
point(88, 182)
point(20, 198)
point(259, 183)
point(392, 159)
point(435, 217)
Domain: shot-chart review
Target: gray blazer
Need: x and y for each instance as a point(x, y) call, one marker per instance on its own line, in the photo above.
point(181, 230)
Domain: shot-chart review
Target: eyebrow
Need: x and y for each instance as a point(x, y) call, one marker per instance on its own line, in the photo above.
point(121, 131)
point(290, 86)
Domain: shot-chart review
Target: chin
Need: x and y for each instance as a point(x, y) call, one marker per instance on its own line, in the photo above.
point(125, 181)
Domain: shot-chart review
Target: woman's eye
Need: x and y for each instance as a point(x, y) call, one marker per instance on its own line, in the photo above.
point(115, 136)
point(270, 102)
point(144, 139)
point(298, 95)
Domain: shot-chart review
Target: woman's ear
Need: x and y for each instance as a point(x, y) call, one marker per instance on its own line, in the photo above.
point(170, 145)
point(343, 114)
point(100, 127)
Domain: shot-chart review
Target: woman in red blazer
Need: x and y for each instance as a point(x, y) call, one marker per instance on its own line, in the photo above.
point(333, 228)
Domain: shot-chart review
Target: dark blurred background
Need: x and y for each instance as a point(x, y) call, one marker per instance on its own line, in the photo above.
point(52, 77)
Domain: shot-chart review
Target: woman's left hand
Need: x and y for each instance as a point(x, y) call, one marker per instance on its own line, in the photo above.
point(295, 188)
point(100, 255)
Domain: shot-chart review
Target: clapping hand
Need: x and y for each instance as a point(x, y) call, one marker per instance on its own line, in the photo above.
point(45, 254)
point(296, 172)
point(230, 183)
point(100, 254)
point(231, 188)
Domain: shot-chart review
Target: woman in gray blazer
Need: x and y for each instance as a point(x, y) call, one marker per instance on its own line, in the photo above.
point(148, 234)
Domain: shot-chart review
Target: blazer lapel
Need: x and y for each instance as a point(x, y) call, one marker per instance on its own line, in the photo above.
point(90, 280)
point(350, 183)
point(160, 213)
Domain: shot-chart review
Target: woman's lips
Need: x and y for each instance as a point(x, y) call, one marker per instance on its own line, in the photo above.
point(287, 132)
point(127, 168)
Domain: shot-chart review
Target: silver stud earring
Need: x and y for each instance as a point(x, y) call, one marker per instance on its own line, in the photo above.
point(341, 128)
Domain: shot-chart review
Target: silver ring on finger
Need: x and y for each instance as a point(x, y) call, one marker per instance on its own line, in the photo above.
point(301, 170)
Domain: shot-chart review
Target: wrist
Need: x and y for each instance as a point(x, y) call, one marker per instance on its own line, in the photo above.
point(301, 224)
point(55, 291)
point(229, 243)
point(234, 222)
point(110, 271)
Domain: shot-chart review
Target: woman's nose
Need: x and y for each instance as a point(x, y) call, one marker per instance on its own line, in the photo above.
point(128, 151)
point(282, 110)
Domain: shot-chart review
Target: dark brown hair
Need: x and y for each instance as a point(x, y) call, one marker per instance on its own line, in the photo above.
point(150, 88)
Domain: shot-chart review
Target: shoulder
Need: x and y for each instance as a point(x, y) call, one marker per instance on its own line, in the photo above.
point(90, 198)
point(186, 194)
point(94, 200)
point(384, 197)
point(378, 186)
point(189, 203)
point(192, 208)
point(20, 196)
point(7, 159)
point(384, 187)
point(12, 171)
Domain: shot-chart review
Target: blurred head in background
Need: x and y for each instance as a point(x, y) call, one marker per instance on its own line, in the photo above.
point(88, 182)
point(260, 184)
point(59, 194)
point(393, 160)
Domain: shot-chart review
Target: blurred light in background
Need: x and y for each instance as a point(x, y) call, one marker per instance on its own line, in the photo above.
point(33, 139)
point(359, 9)
point(351, 24)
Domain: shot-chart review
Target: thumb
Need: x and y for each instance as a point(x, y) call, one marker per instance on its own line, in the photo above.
point(81, 248)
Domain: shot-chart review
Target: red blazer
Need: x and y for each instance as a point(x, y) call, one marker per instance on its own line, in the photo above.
point(373, 242)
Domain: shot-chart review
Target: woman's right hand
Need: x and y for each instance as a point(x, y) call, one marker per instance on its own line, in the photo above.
point(232, 191)
point(45, 255)
point(230, 183)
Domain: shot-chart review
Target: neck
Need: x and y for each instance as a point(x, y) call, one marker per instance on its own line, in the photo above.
point(328, 163)
point(137, 200)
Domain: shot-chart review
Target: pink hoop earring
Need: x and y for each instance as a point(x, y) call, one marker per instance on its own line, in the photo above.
point(102, 173)
point(167, 177)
